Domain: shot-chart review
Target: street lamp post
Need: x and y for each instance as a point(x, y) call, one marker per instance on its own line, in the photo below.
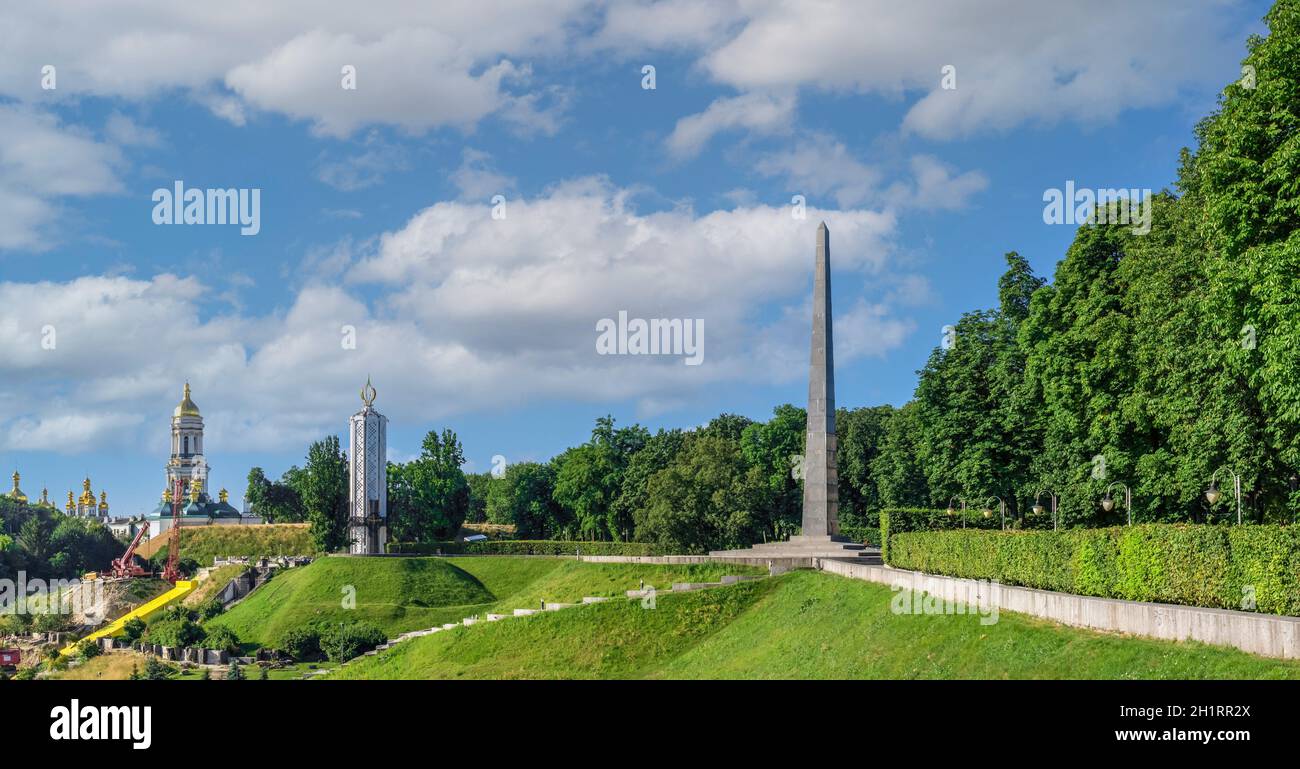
point(1108, 504)
point(953, 511)
point(1212, 494)
point(1038, 507)
point(1002, 509)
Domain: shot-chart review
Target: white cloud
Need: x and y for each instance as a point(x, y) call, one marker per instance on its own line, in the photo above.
point(365, 168)
point(478, 179)
point(820, 165)
point(40, 161)
point(453, 312)
point(762, 113)
point(1016, 63)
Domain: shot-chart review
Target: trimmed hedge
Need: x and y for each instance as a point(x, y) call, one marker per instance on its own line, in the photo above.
point(895, 520)
point(1215, 566)
point(522, 547)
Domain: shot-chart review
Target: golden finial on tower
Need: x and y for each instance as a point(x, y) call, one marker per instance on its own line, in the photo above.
point(368, 393)
point(71, 505)
point(223, 495)
point(17, 494)
point(103, 501)
point(187, 407)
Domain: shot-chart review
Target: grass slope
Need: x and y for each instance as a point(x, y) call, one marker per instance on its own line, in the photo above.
point(401, 594)
point(800, 625)
point(203, 543)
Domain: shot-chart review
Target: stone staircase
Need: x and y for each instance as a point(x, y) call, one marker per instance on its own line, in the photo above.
point(807, 547)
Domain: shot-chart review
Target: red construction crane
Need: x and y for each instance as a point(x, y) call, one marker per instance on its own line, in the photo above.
point(125, 566)
point(172, 573)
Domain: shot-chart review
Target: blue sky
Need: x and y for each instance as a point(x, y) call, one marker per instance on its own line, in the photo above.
point(376, 207)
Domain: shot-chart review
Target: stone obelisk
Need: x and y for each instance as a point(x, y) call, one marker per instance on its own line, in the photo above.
point(821, 488)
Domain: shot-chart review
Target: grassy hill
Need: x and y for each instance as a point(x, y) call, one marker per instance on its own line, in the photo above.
point(800, 625)
point(203, 543)
point(400, 594)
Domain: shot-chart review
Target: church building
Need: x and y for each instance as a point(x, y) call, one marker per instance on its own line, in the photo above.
point(189, 465)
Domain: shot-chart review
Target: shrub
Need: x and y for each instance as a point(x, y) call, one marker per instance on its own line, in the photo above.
point(156, 670)
point(523, 547)
point(1255, 568)
point(235, 673)
point(350, 639)
point(175, 633)
point(867, 535)
point(133, 629)
point(51, 622)
point(88, 649)
point(301, 643)
point(222, 638)
point(210, 608)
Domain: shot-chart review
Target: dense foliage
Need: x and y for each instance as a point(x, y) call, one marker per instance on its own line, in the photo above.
point(46, 544)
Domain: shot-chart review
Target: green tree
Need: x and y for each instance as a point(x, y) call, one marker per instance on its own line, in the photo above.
point(429, 497)
point(479, 483)
point(325, 494)
point(860, 434)
point(707, 499)
point(523, 497)
point(775, 449)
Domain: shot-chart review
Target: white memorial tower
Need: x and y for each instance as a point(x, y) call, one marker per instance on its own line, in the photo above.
point(368, 477)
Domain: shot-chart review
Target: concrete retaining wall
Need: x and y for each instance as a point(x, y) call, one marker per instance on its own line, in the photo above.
point(766, 563)
point(1265, 634)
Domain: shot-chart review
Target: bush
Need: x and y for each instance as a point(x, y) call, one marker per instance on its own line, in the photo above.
point(301, 643)
point(88, 650)
point(1255, 568)
point(210, 608)
point(867, 535)
point(155, 670)
point(175, 633)
point(133, 630)
point(350, 639)
point(523, 547)
point(222, 638)
point(14, 624)
point(51, 622)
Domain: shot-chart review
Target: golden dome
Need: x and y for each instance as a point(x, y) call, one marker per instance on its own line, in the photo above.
point(17, 494)
point(87, 496)
point(103, 501)
point(187, 407)
point(71, 505)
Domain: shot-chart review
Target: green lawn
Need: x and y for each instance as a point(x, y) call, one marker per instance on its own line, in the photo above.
point(800, 625)
point(401, 594)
